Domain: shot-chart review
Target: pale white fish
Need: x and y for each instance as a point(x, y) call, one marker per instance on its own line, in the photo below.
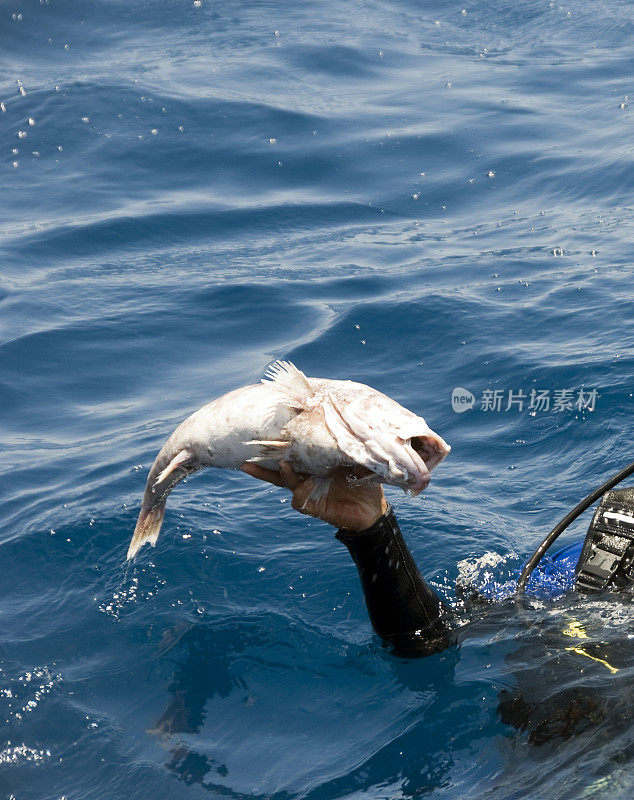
point(316, 424)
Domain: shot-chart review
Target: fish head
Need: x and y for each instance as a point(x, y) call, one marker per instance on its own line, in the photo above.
point(377, 433)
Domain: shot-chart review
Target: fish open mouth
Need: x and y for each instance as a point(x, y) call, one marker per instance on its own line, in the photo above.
point(428, 449)
point(431, 449)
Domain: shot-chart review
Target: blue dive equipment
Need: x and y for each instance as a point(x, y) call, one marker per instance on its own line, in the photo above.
point(608, 551)
point(554, 576)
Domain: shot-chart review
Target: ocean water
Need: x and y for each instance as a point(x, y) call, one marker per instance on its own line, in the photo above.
point(419, 196)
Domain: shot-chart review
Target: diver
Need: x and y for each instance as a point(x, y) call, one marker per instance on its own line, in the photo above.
point(407, 613)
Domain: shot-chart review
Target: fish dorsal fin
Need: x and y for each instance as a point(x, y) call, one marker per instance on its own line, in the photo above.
point(289, 382)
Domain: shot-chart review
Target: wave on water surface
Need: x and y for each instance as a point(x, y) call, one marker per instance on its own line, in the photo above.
point(418, 197)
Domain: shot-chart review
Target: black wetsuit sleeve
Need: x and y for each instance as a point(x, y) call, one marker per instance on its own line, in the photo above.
point(403, 608)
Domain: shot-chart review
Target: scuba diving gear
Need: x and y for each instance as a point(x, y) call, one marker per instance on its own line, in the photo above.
point(606, 560)
point(561, 526)
point(407, 613)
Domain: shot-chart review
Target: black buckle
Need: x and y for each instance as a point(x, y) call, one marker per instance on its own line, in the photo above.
point(597, 570)
point(608, 549)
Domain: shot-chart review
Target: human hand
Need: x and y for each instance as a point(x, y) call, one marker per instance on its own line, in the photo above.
point(353, 508)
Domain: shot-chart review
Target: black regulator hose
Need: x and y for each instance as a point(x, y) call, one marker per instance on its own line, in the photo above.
point(561, 526)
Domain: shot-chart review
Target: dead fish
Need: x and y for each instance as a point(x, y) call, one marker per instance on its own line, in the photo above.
point(316, 424)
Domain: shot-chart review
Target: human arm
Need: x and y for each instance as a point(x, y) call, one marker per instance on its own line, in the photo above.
point(403, 608)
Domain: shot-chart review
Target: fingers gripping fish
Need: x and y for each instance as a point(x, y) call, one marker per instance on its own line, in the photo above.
point(319, 425)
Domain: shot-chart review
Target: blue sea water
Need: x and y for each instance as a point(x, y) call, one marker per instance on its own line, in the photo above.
point(416, 195)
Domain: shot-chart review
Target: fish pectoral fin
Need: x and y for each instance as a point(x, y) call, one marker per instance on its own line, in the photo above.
point(351, 435)
point(355, 424)
point(319, 492)
point(289, 382)
point(340, 431)
point(179, 460)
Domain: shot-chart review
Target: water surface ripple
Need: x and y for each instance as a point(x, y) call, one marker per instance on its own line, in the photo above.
point(420, 196)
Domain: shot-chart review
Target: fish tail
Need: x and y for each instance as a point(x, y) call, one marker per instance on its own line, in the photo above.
point(166, 472)
point(147, 528)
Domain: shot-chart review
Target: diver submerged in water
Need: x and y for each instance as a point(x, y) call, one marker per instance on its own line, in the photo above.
point(407, 613)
